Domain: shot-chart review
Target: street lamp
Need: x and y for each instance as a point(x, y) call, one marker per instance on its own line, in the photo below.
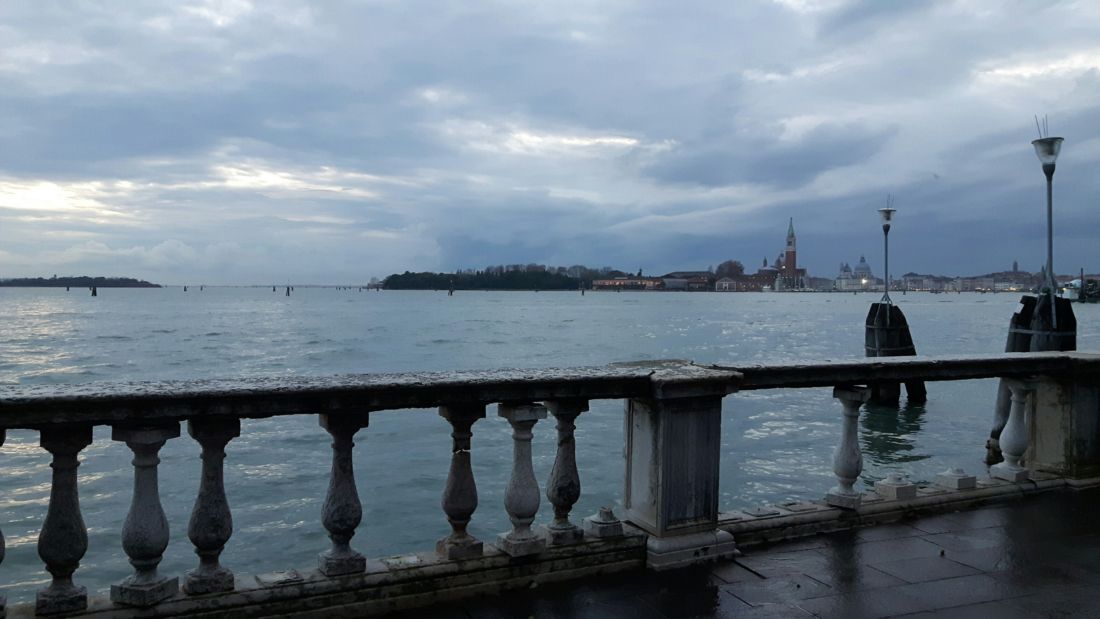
point(887, 215)
point(1047, 150)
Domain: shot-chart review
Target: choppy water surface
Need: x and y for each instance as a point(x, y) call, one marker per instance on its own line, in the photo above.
point(777, 445)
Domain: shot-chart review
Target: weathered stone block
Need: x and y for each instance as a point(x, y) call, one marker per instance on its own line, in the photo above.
point(1009, 473)
point(799, 507)
point(276, 579)
point(895, 487)
point(760, 512)
point(146, 594)
point(521, 546)
point(456, 551)
point(72, 600)
point(331, 565)
point(956, 479)
point(564, 536)
point(521, 412)
point(200, 582)
point(844, 501)
point(603, 524)
point(682, 550)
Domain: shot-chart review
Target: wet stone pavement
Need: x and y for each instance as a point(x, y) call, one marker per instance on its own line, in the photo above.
point(1034, 557)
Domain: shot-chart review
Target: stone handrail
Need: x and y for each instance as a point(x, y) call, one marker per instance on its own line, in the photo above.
point(672, 430)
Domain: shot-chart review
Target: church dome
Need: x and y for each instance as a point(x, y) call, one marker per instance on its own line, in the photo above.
point(862, 269)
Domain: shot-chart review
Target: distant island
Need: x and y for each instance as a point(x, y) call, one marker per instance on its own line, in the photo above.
point(489, 279)
point(81, 281)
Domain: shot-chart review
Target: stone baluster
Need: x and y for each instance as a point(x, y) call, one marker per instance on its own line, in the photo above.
point(342, 511)
point(1014, 436)
point(3, 599)
point(211, 523)
point(460, 493)
point(564, 487)
point(848, 459)
point(522, 498)
point(64, 538)
point(145, 532)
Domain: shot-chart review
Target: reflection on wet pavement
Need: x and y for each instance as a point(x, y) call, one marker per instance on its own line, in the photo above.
point(1035, 557)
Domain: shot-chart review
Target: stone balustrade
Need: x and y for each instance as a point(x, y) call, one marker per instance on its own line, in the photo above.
point(673, 416)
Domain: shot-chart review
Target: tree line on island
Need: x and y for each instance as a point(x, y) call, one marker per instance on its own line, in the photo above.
point(81, 281)
point(525, 277)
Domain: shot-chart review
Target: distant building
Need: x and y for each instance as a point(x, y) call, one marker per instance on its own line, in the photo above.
point(688, 280)
point(698, 283)
point(789, 276)
point(858, 278)
point(627, 283)
point(675, 283)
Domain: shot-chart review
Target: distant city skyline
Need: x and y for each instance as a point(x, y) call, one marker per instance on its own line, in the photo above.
point(238, 142)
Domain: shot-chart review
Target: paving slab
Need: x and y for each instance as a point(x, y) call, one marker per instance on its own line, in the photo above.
point(775, 564)
point(779, 590)
point(925, 569)
point(1037, 557)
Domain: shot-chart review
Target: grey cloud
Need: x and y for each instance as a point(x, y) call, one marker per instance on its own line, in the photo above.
point(733, 159)
point(369, 137)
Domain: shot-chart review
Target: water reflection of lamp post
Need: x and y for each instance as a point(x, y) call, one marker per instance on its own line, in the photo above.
point(1047, 150)
point(887, 215)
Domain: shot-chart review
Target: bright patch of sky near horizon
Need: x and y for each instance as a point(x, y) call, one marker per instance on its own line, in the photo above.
point(229, 141)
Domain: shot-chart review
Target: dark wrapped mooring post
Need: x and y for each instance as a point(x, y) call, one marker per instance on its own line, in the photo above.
point(887, 332)
point(1044, 322)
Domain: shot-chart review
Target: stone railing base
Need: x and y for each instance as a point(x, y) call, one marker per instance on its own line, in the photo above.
point(682, 550)
point(390, 584)
point(800, 519)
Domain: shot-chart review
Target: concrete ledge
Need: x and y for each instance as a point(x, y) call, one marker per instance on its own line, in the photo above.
point(784, 523)
point(391, 584)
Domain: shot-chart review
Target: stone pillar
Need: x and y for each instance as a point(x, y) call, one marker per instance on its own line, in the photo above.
point(64, 538)
point(522, 498)
point(848, 459)
point(564, 487)
point(460, 493)
point(211, 522)
point(342, 511)
point(145, 532)
point(1065, 426)
point(673, 448)
point(1014, 437)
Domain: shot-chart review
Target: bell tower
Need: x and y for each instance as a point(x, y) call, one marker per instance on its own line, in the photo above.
point(790, 260)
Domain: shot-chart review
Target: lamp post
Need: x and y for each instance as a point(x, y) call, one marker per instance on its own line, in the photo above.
point(887, 215)
point(1047, 150)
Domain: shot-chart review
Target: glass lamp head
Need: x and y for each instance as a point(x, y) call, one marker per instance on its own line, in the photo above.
point(887, 214)
point(1047, 149)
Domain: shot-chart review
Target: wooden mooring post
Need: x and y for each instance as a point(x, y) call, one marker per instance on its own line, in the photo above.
point(887, 335)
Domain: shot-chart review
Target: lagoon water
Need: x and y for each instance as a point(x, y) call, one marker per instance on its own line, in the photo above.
point(777, 445)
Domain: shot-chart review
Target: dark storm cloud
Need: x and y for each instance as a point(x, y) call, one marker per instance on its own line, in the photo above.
point(736, 159)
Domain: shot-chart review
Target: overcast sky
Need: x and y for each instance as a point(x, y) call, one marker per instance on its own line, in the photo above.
point(228, 141)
